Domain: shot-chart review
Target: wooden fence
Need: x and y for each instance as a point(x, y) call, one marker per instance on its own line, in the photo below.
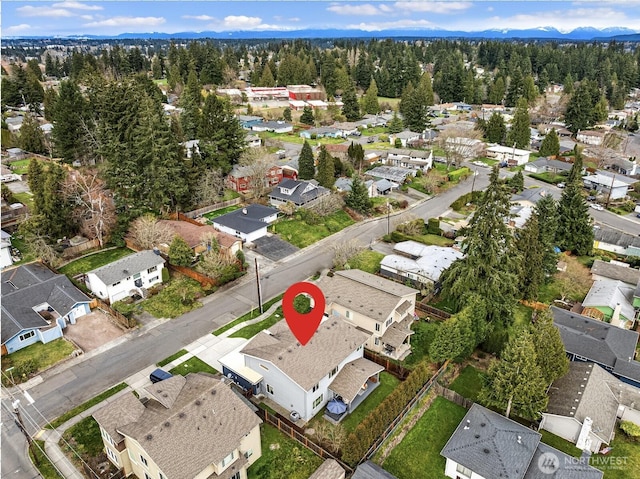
point(396, 369)
point(452, 396)
point(400, 417)
point(73, 251)
point(205, 281)
point(284, 426)
point(119, 317)
point(433, 312)
point(208, 209)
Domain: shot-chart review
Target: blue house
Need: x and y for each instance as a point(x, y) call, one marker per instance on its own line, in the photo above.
point(37, 304)
point(249, 121)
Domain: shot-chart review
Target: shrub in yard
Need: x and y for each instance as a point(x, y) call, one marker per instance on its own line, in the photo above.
point(403, 204)
point(459, 174)
point(631, 430)
point(165, 275)
point(433, 226)
point(179, 252)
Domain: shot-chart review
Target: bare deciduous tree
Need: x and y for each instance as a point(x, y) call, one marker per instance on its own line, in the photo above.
point(257, 162)
point(94, 208)
point(213, 263)
point(458, 145)
point(344, 250)
point(146, 232)
point(328, 204)
point(606, 153)
point(288, 208)
point(575, 281)
point(210, 187)
point(411, 225)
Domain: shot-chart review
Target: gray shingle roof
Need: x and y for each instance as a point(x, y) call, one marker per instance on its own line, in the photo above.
point(303, 191)
point(567, 466)
point(615, 237)
point(610, 293)
point(127, 266)
point(583, 392)
point(396, 334)
point(329, 469)
point(369, 470)
point(613, 271)
point(246, 220)
point(492, 445)
point(334, 340)
point(352, 377)
point(205, 423)
point(31, 285)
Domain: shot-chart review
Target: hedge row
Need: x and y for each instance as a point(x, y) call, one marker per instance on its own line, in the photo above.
point(460, 173)
point(471, 197)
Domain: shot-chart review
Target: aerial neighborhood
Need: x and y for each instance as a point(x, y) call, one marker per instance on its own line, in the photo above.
point(469, 209)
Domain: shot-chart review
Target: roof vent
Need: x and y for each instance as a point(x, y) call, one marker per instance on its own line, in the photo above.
point(181, 415)
point(466, 426)
point(198, 402)
point(482, 424)
point(486, 451)
point(477, 436)
point(167, 424)
point(149, 437)
point(213, 392)
point(519, 439)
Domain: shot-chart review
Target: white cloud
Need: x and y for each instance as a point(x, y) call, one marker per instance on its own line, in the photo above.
point(242, 22)
point(489, 9)
point(294, 19)
point(77, 5)
point(127, 22)
point(205, 18)
point(15, 29)
point(86, 17)
point(377, 26)
point(432, 7)
point(30, 11)
point(362, 9)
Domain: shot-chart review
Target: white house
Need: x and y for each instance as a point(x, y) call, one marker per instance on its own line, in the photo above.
point(304, 378)
point(415, 159)
point(248, 223)
point(591, 137)
point(612, 187)
point(5, 249)
point(405, 137)
point(512, 156)
point(127, 276)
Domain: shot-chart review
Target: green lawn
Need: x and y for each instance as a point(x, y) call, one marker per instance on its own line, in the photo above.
point(246, 317)
point(18, 242)
point(95, 260)
point(468, 383)
point(20, 167)
point(193, 365)
point(418, 455)
point(560, 444)
point(25, 198)
point(46, 469)
point(367, 260)
point(177, 298)
point(251, 330)
point(166, 361)
point(84, 406)
point(388, 383)
point(223, 211)
point(297, 139)
point(28, 361)
point(428, 239)
point(85, 437)
point(282, 457)
point(420, 341)
point(301, 234)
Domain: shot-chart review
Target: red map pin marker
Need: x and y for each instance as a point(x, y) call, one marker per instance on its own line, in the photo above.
point(303, 326)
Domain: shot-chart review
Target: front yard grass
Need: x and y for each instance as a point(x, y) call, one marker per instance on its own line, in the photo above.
point(418, 455)
point(84, 406)
point(25, 198)
point(20, 167)
point(301, 234)
point(28, 361)
point(93, 261)
point(84, 437)
point(193, 365)
point(166, 361)
point(255, 312)
point(251, 330)
point(282, 457)
point(177, 298)
point(468, 383)
point(46, 469)
point(367, 260)
point(388, 383)
point(560, 444)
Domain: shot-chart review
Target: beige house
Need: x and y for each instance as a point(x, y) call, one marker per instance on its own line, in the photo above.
point(383, 308)
point(190, 427)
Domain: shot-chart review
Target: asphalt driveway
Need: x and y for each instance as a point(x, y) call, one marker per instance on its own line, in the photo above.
point(273, 247)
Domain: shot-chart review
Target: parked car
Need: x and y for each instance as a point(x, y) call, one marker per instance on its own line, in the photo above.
point(591, 198)
point(371, 139)
point(560, 185)
point(596, 206)
point(638, 215)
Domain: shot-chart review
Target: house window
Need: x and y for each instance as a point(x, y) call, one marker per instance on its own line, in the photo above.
point(155, 278)
point(147, 476)
point(236, 475)
point(116, 283)
point(248, 453)
point(136, 276)
point(315, 388)
point(227, 460)
point(377, 341)
point(112, 456)
point(27, 335)
point(389, 321)
point(143, 460)
point(317, 401)
point(152, 269)
point(465, 471)
point(348, 314)
point(333, 372)
point(160, 475)
point(377, 326)
point(269, 389)
point(131, 456)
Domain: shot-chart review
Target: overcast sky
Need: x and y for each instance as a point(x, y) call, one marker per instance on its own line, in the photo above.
point(44, 18)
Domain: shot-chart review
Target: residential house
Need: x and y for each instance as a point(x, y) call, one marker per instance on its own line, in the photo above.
point(587, 339)
point(488, 445)
point(414, 159)
point(290, 169)
point(406, 137)
point(529, 196)
point(347, 128)
point(185, 427)
point(417, 263)
point(585, 404)
point(300, 193)
point(5, 249)
point(126, 277)
point(252, 141)
point(303, 379)
point(370, 470)
point(546, 165)
point(329, 469)
point(14, 123)
point(297, 104)
point(199, 236)
point(16, 154)
point(591, 137)
point(616, 241)
point(315, 104)
point(610, 186)
point(625, 166)
point(249, 121)
point(12, 214)
point(615, 270)
point(37, 304)
point(248, 223)
point(370, 120)
point(391, 173)
point(273, 126)
point(384, 186)
point(383, 308)
point(267, 93)
point(510, 155)
point(191, 147)
point(612, 301)
point(343, 185)
point(321, 132)
point(519, 215)
point(371, 158)
point(241, 180)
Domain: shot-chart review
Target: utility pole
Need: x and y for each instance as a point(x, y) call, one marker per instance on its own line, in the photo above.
point(613, 179)
point(388, 214)
point(259, 288)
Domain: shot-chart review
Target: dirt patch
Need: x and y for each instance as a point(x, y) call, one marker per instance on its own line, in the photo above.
point(92, 331)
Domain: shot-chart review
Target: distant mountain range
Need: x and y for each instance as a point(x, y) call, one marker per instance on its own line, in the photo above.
point(542, 33)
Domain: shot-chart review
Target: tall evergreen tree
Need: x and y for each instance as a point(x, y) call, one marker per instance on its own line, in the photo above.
point(551, 144)
point(370, 103)
point(496, 130)
point(325, 174)
point(350, 105)
point(497, 91)
point(222, 139)
point(546, 211)
point(516, 88)
point(35, 180)
point(396, 125)
point(520, 132)
point(31, 136)
point(531, 274)
point(307, 116)
point(515, 382)
point(355, 152)
point(68, 130)
point(575, 229)
point(425, 89)
point(413, 109)
point(550, 351)
point(55, 209)
point(358, 198)
point(489, 267)
point(306, 166)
